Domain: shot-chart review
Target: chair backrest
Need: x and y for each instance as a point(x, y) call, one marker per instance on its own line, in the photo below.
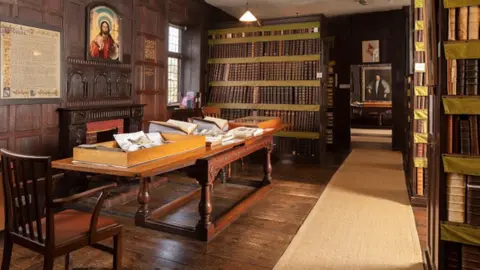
point(106, 135)
point(211, 111)
point(26, 202)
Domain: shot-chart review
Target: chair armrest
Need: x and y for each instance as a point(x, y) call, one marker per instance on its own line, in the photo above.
point(80, 196)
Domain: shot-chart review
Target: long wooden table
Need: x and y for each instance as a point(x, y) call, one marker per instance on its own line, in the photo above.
point(205, 164)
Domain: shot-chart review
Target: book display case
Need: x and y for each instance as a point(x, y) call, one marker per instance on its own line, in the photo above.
point(454, 201)
point(419, 105)
point(272, 70)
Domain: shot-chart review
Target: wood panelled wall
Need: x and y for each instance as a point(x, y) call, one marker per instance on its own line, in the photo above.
point(33, 129)
point(390, 29)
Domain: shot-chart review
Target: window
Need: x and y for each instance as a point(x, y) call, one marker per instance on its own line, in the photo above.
point(174, 63)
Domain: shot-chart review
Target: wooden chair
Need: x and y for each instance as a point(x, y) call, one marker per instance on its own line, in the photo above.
point(32, 223)
point(211, 111)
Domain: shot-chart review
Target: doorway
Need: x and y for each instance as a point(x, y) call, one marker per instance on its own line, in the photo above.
point(371, 106)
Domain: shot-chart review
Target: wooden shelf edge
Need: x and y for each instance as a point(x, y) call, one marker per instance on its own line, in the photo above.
point(298, 134)
point(278, 107)
point(460, 3)
point(265, 59)
point(462, 49)
point(461, 104)
point(460, 233)
point(299, 83)
point(461, 164)
point(264, 38)
point(278, 27)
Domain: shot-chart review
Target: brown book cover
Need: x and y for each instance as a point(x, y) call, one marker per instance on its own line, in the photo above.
point(473, 200)
point(456, 195)
point(462, 23)
point(465, 144)
point(470, 257)
point(453, 256)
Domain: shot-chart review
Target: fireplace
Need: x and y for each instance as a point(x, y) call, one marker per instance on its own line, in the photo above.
point(102, 131)
point(78, 124)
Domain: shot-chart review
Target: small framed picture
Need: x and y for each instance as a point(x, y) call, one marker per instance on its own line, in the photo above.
point(371, 51)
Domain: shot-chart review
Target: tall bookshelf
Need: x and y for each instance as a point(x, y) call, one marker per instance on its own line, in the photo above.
point(272, 70)
point(419, 106)
point(454, 212)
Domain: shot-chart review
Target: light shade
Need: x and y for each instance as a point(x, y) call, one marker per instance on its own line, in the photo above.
point(248, 17)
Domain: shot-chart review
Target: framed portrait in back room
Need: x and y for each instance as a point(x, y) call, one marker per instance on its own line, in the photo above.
point(104, 33)
point(371, 51)
point(377, 83)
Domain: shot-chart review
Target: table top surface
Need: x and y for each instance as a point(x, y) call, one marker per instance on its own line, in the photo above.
point(158, 166)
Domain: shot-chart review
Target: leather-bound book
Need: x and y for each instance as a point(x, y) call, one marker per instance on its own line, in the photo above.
point(473, 200)
point(475, 150)
point(453, 256)
point(452, 23)
point(462, 23)
point(420, 185)
point(470, 257)
point(456, 187)
point(461, 81)
point(465, 143)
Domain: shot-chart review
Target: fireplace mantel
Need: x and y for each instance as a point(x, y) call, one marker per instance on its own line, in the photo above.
point(73, 122)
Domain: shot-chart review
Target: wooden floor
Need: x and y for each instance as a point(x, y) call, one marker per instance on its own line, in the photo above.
point(254, 241)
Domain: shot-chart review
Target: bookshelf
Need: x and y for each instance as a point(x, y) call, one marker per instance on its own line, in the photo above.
point(419, 103)
point(272, 70)
point(454, 234)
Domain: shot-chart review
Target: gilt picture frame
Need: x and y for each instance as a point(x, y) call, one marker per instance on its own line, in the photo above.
point(377, 83)
point(103, 33)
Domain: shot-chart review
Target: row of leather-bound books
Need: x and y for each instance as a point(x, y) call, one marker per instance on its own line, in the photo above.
point(273, 71)
point(464, 257)
point(232, 94)
point(297, 121)
point(420, 102)
point(463, 191)
point(462, 76)
point(232, 114)
point(266, 94)
point(263, 33)
point(297, 147)
point(265, 48)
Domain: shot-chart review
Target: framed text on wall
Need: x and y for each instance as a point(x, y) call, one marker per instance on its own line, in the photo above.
point(30, 64)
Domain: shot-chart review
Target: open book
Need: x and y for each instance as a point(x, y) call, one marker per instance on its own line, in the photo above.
point(245, 132)
point(172, 127)
point(210, 123)
point(213, 137)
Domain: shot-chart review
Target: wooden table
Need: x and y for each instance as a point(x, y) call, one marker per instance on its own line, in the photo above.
point(206, 164)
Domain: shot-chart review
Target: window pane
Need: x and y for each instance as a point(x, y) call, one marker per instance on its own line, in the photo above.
point(173, 78)
point(173, 39)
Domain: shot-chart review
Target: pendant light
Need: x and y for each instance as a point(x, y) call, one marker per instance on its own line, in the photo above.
point(248, 16)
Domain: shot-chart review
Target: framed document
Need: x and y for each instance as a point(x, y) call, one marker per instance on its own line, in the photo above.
point(30, 64)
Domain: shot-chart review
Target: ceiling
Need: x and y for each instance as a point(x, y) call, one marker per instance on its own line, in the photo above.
point(265, 9)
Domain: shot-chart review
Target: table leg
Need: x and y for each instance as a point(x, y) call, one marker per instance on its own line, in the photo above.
point(205, 210)
point(267, 165)
point(143, 199)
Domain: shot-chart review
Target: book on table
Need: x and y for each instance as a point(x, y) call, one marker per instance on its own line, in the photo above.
point(210, 123)
point(172, 127)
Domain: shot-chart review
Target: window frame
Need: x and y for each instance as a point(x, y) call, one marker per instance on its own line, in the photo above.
point(179, 57)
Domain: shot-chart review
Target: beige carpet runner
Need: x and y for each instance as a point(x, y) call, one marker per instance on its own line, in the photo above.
point(363, 220)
